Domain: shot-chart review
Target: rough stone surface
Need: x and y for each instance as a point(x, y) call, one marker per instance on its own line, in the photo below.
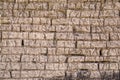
point(59, 39)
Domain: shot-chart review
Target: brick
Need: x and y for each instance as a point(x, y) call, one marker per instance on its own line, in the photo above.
point(29, 58)
point(82, 28)
point(114, 36)
point(13, 50)
point(37, 6)
point(9, 66)
point(113, 44)
point(11, 42)
point(73, 66)
point(36, 35)
point(98, 44)
point(60, 59)
point(93, 59)
point(73, 13)
point(49, 36)
point(110, 13)
point(10, 58)
point(15, 35)
point(90, 52)
point(57, 6)
point(62, 28)
point(82, 36)
point(91, 66)
point(111, 22)
point(75, 59)
point(60, 51)
point(9, 6)
point(104, 66)
point(52, 66)
point(39, 43)
point(64, 36)
point(4, 74)
point(95, 74)
point(47, 14)
point(33, 66)
point(83, 44)
point(37, 28)
point(65, 44)
point(100, 36)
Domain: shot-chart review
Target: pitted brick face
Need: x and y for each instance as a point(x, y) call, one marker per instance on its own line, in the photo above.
point(59, 39)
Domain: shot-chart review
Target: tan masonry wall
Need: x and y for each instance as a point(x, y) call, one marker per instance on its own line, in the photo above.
point(59, 39)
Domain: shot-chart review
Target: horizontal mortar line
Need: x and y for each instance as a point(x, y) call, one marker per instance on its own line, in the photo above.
point(77, 32)
point(61, 39)
point(64, 47)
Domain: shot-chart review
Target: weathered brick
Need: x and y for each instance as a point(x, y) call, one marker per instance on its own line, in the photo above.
point(62, 28)
point(64, 36)
point(15, 35)
point(113, 44)
point(36, 35)
point(99, 44)
point(39, 43)
point(29, 66)
point(37, 6)
point(57, 6)
point(76, 59)
point(65, 43)
point(55, 59)
point(83, 44)
point(11, 42)
point(115, 36)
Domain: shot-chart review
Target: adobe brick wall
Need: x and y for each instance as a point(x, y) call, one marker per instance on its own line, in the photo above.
point(59, 39)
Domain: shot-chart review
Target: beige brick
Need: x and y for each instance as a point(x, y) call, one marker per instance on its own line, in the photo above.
point(94, 59)
point(45, 21)
point(98, 44)
point(64, 36)
point(39, 43)
point(43, 58)
point(90, 52)
point(112, 22)
point(104, 66)
point(63, 51)
point(30, 58)
point(57, 6)
point(36, 35)
point(4, 74)
point(37, 6)
point(60, 59)
point(91, 66)
point(52, 66)
point(16, 35)
point(76, 59)
point(29, 66)
point(75, 66)
point(95, 74)
point(113, 44)
point(83, 44)
point(65, 44)
point(13, 50)
point(49, 36)
point(73, 13)
point(82, 28)
point(115, 36)
point(48, 14)
point(10, 58)
point(63, 28)
point(82, 36)
point(11, 42)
